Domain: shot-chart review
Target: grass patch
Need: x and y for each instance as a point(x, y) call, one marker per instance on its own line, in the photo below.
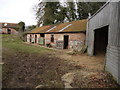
point(15, 43)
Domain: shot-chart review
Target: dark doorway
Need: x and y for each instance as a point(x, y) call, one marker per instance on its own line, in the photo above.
point(66, 40)
point(52, 38)
point(42, 35)
point(101, 40)
point(41, 40)
point(35, 38)
point(8, 31)
point(30, 38)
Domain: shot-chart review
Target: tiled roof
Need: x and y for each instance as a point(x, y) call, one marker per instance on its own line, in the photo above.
point(74, 26)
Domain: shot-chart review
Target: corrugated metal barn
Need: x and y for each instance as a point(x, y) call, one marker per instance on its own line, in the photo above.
point(103, 36)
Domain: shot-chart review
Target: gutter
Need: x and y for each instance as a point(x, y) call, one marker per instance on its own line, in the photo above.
point(59, 32)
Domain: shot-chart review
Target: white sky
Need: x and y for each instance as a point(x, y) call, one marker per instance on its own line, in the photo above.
point(14, 11)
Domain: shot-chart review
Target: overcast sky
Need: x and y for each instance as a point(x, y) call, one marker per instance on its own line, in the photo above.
point(14, 11)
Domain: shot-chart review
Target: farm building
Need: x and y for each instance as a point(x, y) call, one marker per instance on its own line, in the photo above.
point(37, 35)
point(8, 28)
point(103, 36)
point(69, 35)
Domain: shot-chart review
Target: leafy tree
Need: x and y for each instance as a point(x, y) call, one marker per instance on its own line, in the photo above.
point(46, 12)
point(53, 12)
point(39, 11)
point(87, 7)
point(61, 15)
point(72, 11)
point(31, 27)
point(21, 26)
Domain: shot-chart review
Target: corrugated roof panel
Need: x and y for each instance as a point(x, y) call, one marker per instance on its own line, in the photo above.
point(73, 26)
point(80, 25)
point(65, 27)
point(51, 29)
point(76, 26)
point(41, 29)
point(59, 27)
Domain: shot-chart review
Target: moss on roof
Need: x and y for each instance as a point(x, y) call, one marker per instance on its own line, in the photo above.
point(42, 29)
point(75, 27)
point(59, 27)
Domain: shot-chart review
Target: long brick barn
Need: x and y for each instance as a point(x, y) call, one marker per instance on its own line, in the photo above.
point(69, 35)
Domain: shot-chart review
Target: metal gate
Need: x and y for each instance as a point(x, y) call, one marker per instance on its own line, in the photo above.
point(41, 41)
point(59, 44)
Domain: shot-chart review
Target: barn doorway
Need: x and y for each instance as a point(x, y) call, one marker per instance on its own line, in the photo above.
point(35, 38)
point(8, 31)
point(66, 40)
point(42, 35)
point(30, 38)
point(52, 38)
point(41, 40)
point(101, 40)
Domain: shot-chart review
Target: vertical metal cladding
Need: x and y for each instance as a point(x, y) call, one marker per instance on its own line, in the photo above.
point(108, 15)
point(113, 49)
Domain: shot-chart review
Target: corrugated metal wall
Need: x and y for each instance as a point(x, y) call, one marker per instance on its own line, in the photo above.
point(109, 15)
point(0, 25)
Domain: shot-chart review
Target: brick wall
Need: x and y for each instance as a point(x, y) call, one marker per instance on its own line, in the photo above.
point(33, 38)
point(75, 39)
point(5, 31)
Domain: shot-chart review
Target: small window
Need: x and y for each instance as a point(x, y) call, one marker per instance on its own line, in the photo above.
point(52, 38)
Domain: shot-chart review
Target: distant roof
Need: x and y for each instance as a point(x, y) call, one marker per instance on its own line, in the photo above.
point(8, 25)
point(74, 26)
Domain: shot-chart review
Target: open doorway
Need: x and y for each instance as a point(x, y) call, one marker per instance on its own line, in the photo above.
point(52, 38)
point(101, 40)
point(30, 38)
point(42, 35)
point(35, 38)
point(41, 39)
point(66, 40)
point(8, 31)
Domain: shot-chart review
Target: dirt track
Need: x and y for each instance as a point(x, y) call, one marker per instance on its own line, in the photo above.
point(31, 70)
point(22, 70)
